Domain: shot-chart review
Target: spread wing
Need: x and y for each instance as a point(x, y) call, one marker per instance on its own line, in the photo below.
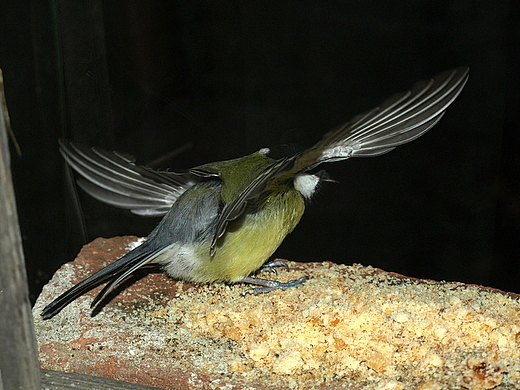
point(400, 119)
point(115, 179)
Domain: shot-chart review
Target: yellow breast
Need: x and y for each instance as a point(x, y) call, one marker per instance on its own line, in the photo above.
point(252, 239)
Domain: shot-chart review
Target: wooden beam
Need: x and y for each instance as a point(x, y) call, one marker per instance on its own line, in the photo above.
point(56, 380)
point(19, 367)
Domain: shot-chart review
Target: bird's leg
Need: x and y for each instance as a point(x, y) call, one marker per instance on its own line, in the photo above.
point(270, 285)
point(270, 266)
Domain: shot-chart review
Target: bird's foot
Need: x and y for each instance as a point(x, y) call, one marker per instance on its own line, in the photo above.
point(270, 285)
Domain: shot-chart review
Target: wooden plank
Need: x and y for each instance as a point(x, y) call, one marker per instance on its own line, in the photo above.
point(19, 368)
point(56, 380)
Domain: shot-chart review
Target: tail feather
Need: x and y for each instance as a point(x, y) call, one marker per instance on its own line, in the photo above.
point(116, 272)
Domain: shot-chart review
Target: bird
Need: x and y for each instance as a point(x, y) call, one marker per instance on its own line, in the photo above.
point(222, 221)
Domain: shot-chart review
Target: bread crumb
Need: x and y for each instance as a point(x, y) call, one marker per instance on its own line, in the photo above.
point(354, 325)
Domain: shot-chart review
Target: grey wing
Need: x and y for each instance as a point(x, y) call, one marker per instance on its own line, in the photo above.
point(400, 119)
point(116, 180)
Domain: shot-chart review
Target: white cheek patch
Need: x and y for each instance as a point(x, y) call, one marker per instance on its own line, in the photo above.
point(306, 184)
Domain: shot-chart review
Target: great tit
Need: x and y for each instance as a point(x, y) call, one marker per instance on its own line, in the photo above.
point(223, 220)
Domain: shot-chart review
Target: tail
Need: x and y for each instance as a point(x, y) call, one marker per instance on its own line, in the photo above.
point(115, 273)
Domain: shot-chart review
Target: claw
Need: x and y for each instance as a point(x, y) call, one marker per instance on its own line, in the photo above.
point(270, 266)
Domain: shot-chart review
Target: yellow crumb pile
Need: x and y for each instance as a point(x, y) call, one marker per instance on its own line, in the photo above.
point(355, 326)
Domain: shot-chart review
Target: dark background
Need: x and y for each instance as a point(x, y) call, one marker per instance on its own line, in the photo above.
point(225, 78)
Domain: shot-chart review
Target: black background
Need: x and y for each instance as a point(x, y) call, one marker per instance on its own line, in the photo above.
point(224, 79)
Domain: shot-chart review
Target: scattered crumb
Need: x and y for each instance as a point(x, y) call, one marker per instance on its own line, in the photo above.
point(350, 327)
point(354, 325)
point(134, 244)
